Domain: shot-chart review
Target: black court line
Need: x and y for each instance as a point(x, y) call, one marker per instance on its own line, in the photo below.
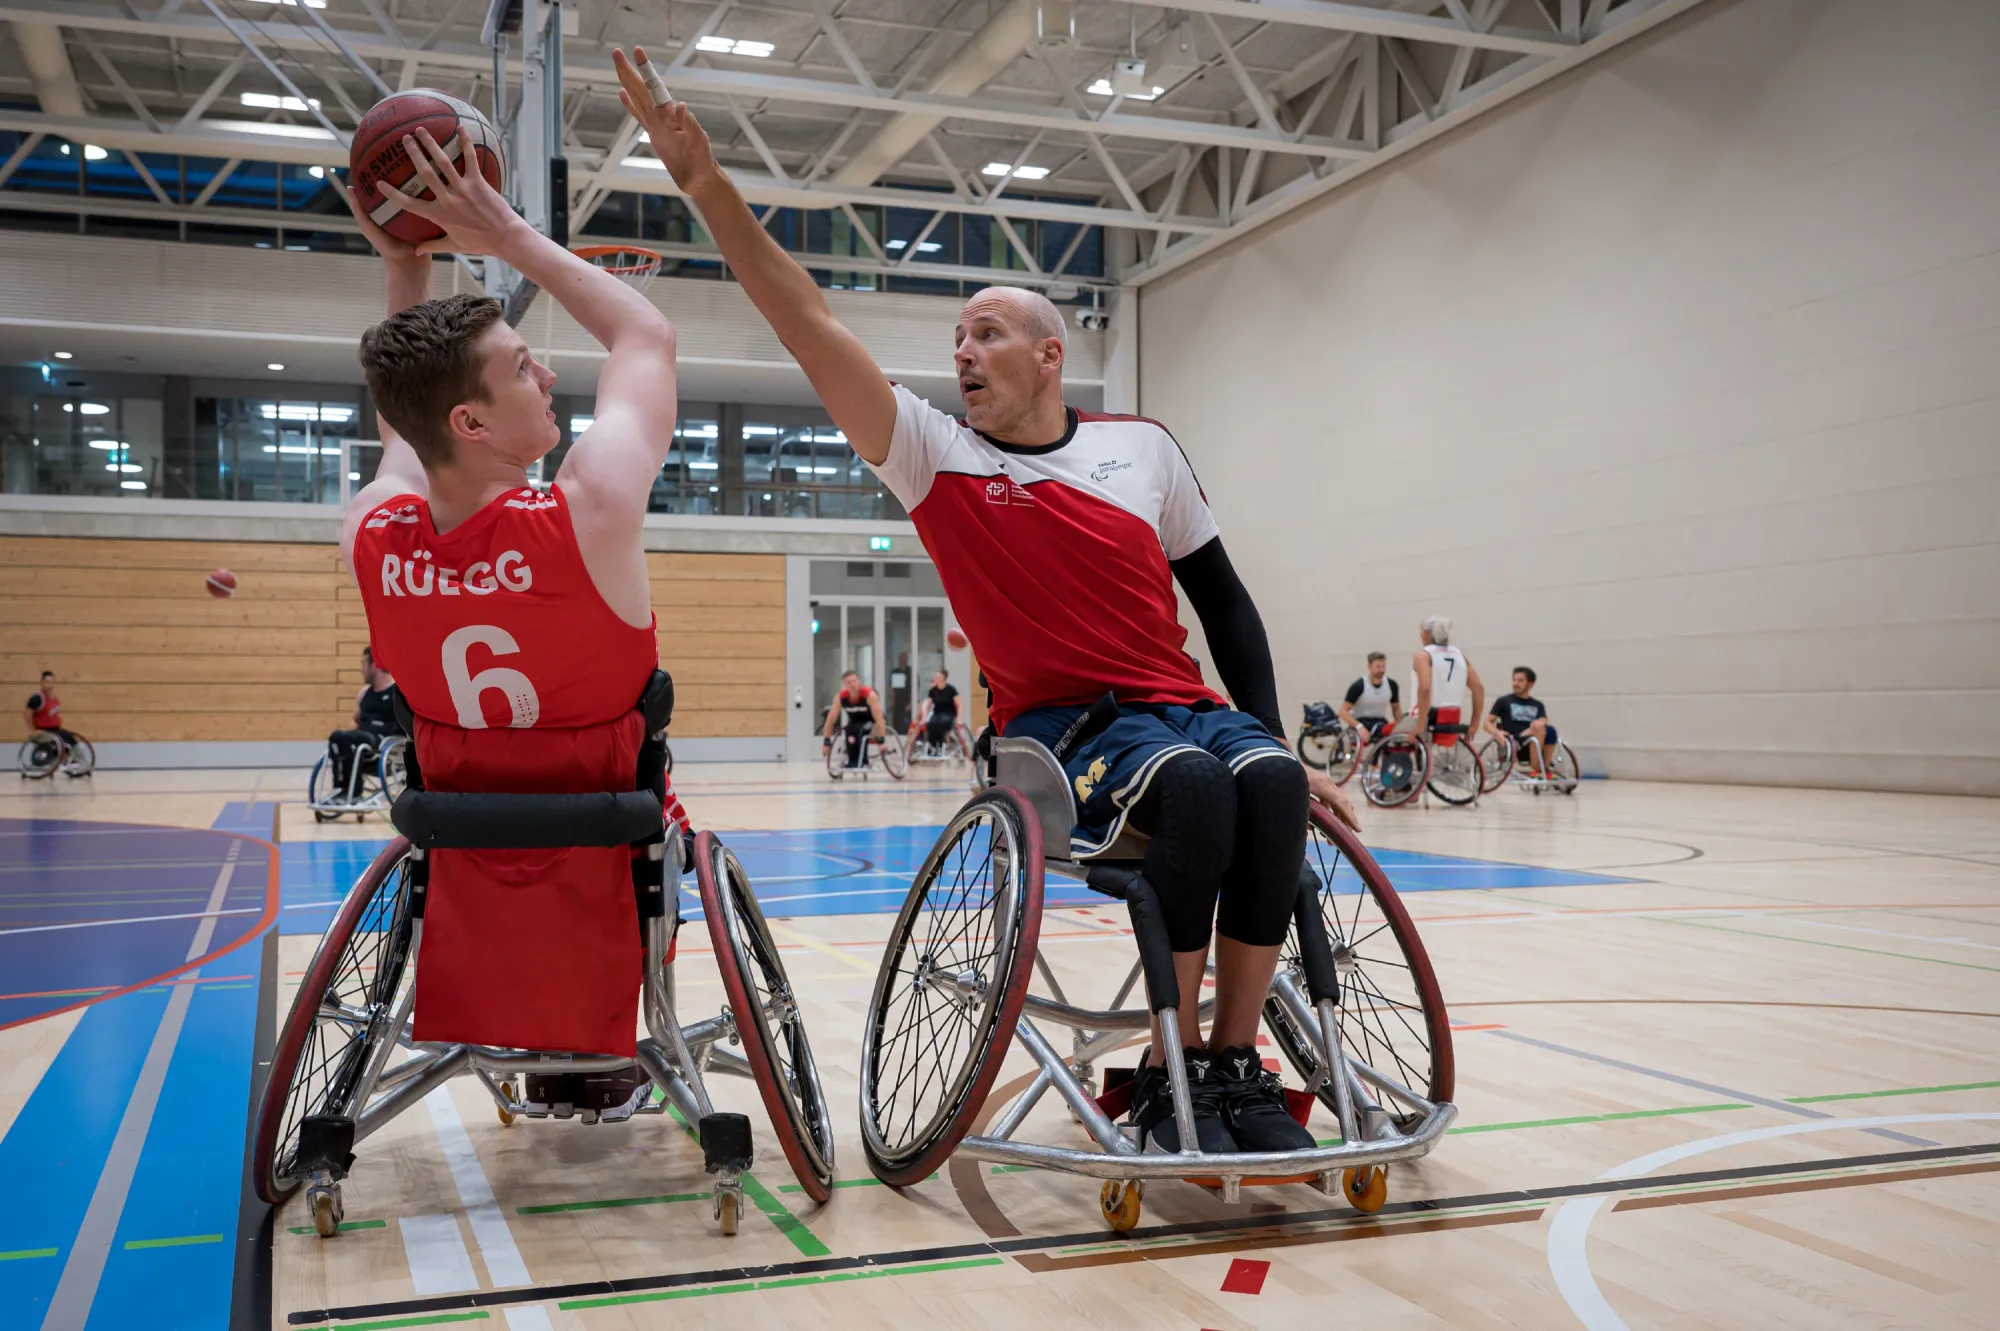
point(1008, 1247)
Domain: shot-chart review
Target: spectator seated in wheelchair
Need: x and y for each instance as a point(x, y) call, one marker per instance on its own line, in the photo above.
point(44, 712)
point(375, 722)
point(1521, 717)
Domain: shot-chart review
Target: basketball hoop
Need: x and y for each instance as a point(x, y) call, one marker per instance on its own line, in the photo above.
point(634, 265)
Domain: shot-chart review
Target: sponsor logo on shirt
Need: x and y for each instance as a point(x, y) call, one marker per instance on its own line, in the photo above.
point(382, 517)
point(533, 501)
point(1004, 490)
point(1102, 471)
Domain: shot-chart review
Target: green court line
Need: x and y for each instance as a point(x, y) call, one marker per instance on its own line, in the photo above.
point(434, 1319)
point(23, 1254)
point(1905, 1090)
point(184, 1241)
point(789, 1282)
point(610, 1202)
point(1010, 1169)
point(1840, 947)
point(788, 1224)
point(345, 1225)
point(1594, 1118)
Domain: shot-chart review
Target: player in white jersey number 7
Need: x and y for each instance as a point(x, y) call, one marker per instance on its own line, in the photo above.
point(1059, 535)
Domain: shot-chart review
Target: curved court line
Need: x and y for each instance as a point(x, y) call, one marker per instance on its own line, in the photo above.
point(264, 922)
point(128, 919)
point(1569, 1231)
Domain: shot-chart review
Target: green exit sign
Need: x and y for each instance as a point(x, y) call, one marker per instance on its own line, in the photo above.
point(879, 543)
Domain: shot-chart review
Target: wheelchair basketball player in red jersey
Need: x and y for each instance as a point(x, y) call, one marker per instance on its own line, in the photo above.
point(518, 622)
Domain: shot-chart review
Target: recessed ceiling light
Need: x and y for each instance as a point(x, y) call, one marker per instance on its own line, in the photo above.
point(1018, 172)
point(923, 247)
point(270, 127)
point(1103, 88)
point(63, 355)
point(131, 485)
point(271, 101)
point(93, 153)
point(275, 365)
point(734, 46)
point(310, 4)
point(316, 172)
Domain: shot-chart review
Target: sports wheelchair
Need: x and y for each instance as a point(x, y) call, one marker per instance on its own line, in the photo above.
point(1354, 991)
point(1328, 743)
point(333, 1080)
point(957, 747)
point(44, 754)
point(376, 775)
point(1402, 764)
point(887, 749)
point(1557, 770)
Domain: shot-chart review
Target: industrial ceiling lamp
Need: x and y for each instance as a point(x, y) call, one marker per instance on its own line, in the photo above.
point(1055, 24)
point(1175, 56)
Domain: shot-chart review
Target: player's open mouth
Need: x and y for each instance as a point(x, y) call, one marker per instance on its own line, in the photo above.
point(967, 387)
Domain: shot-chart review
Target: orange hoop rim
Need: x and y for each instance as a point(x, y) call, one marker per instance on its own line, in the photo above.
point(649, 260)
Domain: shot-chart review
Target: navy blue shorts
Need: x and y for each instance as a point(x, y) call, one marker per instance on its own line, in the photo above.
point(1109, 773)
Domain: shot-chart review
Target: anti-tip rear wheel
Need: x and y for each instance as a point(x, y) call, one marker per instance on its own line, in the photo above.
point(1392, 1014)
point(344, 1003)
point(767, 1016)
point(954, 976)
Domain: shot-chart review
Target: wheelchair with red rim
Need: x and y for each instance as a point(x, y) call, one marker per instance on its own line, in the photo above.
point(347, 1060)
point(1354, 993)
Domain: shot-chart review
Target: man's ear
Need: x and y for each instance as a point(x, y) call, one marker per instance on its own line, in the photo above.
point(465, 422)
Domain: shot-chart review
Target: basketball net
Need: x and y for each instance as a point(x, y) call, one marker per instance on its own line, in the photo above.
point(634, 265)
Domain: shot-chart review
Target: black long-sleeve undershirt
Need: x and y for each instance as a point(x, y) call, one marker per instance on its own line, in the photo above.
point(1235, 632)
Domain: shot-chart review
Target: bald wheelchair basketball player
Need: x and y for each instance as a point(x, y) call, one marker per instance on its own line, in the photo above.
point(517, 622)
point(1059, 535)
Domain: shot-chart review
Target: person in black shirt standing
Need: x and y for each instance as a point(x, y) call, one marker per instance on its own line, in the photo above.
point(939, 716)
point(374, 721)
point(1521, 715)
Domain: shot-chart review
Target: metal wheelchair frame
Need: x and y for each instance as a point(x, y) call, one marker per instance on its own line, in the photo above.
point(31, 747)
point(1309, 993)
point(1528, 758)
point(375, 782)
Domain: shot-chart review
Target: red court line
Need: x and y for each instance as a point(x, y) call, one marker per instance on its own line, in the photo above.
point(264, 921)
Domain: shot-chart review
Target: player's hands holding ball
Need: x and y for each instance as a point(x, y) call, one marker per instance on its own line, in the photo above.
point(678, 138)
point(475, 218)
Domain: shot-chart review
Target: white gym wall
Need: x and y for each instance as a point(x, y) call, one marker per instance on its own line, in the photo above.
point(1675, 379)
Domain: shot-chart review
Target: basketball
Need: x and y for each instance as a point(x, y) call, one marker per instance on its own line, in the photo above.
point(222, 583)
point(955, 640)
point(380, 169)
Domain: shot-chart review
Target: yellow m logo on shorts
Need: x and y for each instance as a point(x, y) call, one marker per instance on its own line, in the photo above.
point(1088, 781)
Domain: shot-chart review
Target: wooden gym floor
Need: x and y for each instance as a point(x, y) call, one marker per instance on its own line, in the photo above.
point(1726, 1057)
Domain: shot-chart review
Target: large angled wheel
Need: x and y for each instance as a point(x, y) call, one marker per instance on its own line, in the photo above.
point(1332, 749)
point(953, 979)
point(895, 758)
point(1393, 770)
point(348, 996)
point(1455, 775)
point(1564, 772)
point(319, 790)
point(38, 756)
point(767, 1016)
point(1496, 761)
point(1392, 1014)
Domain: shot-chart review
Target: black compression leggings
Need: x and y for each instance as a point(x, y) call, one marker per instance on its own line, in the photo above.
point(1225, 849)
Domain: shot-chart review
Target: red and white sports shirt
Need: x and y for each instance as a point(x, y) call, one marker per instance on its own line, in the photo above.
point(1055, 557)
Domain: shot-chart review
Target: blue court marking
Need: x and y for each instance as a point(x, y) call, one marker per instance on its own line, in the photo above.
point(258, 819)
point(864, 871)
point(89, 908)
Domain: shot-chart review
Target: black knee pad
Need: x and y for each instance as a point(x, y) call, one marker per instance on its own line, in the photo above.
point(1189, 811)
point(1262, 882)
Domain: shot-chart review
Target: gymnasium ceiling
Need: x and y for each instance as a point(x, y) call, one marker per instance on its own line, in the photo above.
point(1246, 108)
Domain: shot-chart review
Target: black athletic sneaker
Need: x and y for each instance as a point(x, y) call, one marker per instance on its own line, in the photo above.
point(1253, 1104)
point(1153, 1106)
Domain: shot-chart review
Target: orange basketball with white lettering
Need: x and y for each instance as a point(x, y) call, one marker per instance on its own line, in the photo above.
point(222, 583)
point(379, 166)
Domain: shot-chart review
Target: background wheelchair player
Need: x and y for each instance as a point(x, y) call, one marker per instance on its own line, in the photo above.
point(363, 769)
point(937, 729)
point(50, 747)
point(1521, 737)
point(856, 715)
point(1429, 748)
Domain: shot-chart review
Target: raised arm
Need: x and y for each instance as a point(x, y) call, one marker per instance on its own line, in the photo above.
point(845, 377)
point(407, 279)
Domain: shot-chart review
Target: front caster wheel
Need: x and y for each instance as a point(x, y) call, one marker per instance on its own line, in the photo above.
point(727, 1205)
point(1119, 1204)
point(326, 1209)
point(506, 1115)
point(1365, 1189)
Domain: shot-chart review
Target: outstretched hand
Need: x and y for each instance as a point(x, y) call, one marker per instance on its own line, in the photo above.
point(476, 220)
point(678, 138)
point(392, 250)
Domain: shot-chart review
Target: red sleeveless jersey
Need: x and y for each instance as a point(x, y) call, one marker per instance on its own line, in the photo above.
point(522, 680)
point(496, 623)
point(48, 716)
